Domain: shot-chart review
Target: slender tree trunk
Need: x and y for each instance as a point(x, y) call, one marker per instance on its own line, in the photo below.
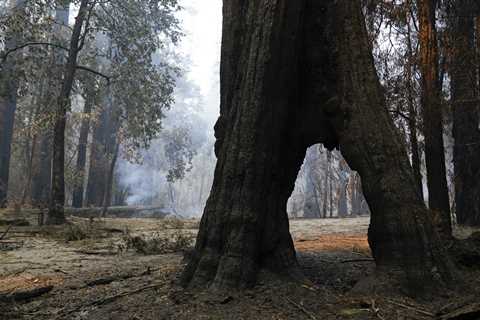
point(42, 171)
point(56, 213)
point(432, 116)
point(268, 119)
point(28, 182)
point(412, 114)
point(311, 207)
point(107, 200)
point(95, 187)
point(326, 184)
point(466, 156)
point(77, 201)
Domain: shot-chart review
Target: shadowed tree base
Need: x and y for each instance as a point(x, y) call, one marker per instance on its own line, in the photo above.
point(55, 216)
point(293, 74)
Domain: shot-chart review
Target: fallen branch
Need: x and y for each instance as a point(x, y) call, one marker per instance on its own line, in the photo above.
point(112, 278)
point(110, 299)
point(6, 232)
point(97, 253)
point(25, 294)
point(358, 260)
point(302, 308)
point(426, 313)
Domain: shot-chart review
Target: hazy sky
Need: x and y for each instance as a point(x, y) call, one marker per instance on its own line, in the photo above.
point(202, 24)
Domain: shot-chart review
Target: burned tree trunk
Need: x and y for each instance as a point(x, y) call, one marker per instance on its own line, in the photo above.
point(8, 104)
point(466, 113)
point(401, 233)
point(77, 201)
point(102, 150)
point(290, 79)
point(245, 224)
point(432, 116)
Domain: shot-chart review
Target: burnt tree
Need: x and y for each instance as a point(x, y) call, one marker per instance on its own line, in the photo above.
point(432, 116)
point(466, 114)
point(293, 74)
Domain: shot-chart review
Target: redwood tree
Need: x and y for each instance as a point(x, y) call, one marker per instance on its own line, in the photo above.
point(432, 115)
point(296, 73)
point(466, 113)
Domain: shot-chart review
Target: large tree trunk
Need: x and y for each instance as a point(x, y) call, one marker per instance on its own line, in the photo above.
point(438, 199)
point(401, 233)
point(8, 106)
point(101, 152)
point(269, 118)
point(77, 201)
point(56, 213)
point(245, 224)
point(466, 156)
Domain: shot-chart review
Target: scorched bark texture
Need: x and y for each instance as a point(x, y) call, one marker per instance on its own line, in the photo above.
point(293, 74)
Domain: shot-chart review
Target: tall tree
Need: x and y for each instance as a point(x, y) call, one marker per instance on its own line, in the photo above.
point(99, 155)
point(267, 121)
point(8, 103)
point(56, 213)
point(466, 113)
point(438, 199)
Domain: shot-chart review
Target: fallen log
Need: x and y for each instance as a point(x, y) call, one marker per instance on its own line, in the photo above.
point(26, 294)
point(119, 212)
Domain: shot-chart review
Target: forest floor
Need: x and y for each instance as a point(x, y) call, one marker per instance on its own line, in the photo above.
point(126, 269)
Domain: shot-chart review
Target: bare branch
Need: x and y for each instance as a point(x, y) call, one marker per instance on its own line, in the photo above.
point(94, 72)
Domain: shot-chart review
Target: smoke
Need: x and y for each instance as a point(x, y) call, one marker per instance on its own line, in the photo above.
point(197, 98)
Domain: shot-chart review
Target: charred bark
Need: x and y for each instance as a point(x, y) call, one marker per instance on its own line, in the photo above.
point(245, 225)
point(466, 113)
point(8, 104)
point(401, 233)
point(293, 74)
point(438, 199)
point(102, 151)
